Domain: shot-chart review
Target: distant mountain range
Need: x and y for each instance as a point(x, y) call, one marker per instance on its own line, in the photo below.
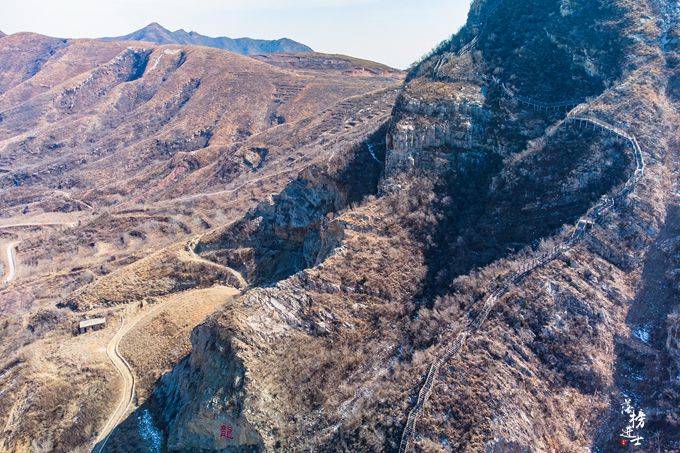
point(2, 34)
point(245, 46)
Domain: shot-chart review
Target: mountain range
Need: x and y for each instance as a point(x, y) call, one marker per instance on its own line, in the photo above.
point(158, 34)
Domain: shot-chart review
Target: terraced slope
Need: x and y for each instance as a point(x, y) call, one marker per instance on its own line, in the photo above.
point(110, 122)
point(490, 267)
point(155, 143)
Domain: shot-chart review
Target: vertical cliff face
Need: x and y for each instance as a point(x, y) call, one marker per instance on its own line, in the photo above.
point(539, 122)
point(215, 359)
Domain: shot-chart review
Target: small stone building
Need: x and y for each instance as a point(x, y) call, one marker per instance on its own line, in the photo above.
point(91, 324)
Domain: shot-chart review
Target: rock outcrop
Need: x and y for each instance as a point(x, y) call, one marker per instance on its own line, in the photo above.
point(215, 358)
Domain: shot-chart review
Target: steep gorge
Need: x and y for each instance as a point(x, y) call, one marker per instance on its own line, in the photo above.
point(296, 231)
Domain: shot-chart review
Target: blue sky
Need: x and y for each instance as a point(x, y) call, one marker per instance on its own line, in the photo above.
point(395, 32)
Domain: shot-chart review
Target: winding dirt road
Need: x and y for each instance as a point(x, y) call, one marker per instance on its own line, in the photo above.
point(127, 392)
point(125, 371)
point(191, 248)
point(11, 264)
point(124, 368)
point(11, 247)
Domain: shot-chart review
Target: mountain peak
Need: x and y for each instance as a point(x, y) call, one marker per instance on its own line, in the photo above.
point(156, 27)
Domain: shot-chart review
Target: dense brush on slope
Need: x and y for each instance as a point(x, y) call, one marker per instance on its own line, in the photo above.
point(483, 174)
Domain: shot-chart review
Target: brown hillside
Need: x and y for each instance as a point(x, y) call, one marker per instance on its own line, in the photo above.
point(113, 156)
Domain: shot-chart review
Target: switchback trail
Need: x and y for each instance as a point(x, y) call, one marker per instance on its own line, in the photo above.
point(516, 278)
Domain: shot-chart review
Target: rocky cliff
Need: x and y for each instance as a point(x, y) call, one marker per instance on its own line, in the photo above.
point(524, 185)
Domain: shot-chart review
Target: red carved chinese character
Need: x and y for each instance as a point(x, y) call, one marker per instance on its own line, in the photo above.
point(226, 432)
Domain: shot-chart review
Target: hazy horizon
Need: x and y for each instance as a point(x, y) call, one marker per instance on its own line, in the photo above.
point(330, 26)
